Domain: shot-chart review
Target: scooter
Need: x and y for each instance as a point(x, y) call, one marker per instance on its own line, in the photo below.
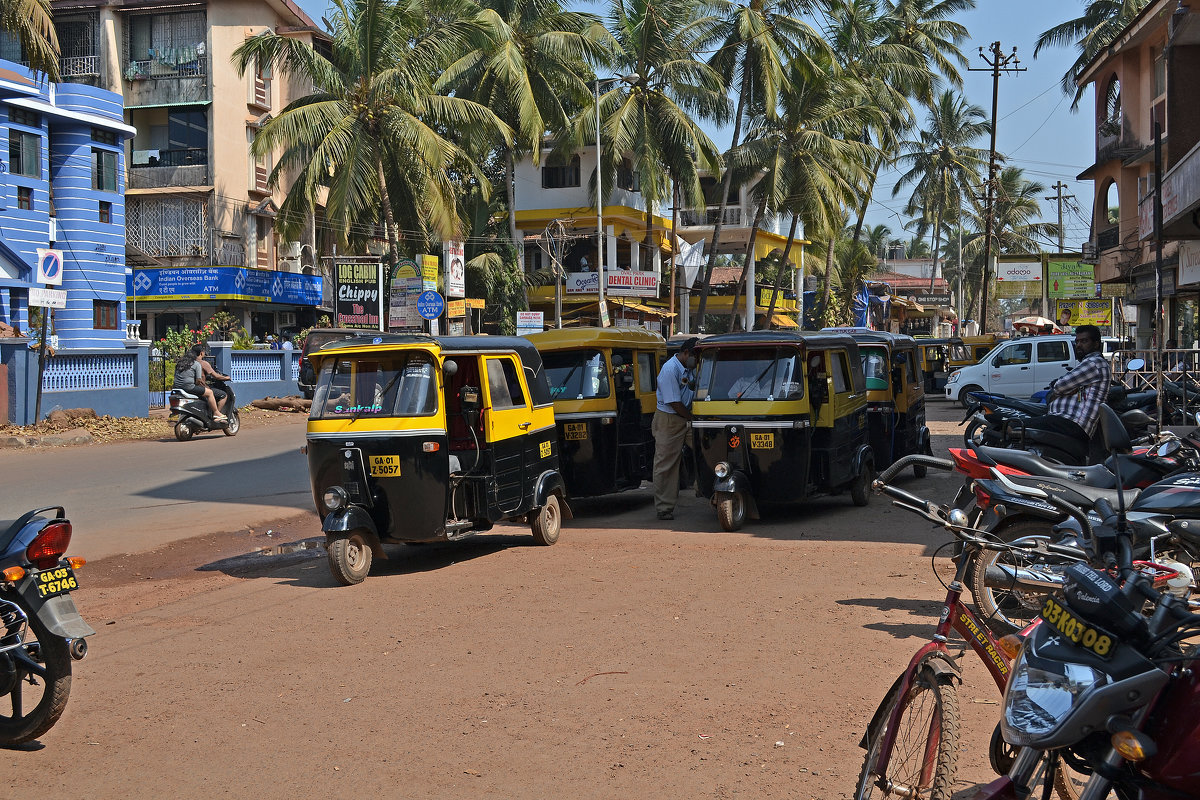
point(194, 416)
point(41, 631)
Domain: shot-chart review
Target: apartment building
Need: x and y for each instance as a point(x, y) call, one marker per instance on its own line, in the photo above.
point(1143, 83)
point(557, 218)
point(199, 211)
point(61, 198)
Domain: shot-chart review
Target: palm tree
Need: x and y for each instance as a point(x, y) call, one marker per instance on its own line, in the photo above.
point(654, 121)
point(30, 23)
point(1016, 209)
point(754, 43)
point(879, 237)
point(373, 126)
point(927, 26)
point(1089, 33)
point(942, 162)
point(532, 73)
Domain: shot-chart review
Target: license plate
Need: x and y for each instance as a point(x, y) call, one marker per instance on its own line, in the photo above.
point(385, 466)
point(53, 582)
point(575, 430)
point(762, 441)
point(1079, 632)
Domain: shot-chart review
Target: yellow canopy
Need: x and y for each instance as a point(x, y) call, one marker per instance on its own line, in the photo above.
point(784, 322)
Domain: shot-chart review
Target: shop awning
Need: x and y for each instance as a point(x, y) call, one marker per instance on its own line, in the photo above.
point(784, 321)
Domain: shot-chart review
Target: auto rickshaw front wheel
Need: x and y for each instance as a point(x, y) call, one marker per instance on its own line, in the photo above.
point(546, 522)
point(731, 510)
point(349, 559)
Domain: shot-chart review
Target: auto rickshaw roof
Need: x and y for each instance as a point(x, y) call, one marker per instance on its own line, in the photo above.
point(591, 336)
point(807, 339)
point(893, 340)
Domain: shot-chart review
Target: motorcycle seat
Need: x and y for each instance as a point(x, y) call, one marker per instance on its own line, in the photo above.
point(1095, 475)
point(1075, 493)
point(184, 393)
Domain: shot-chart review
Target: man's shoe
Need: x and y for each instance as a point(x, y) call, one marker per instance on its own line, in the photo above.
point(666, 515)
point(220, 418)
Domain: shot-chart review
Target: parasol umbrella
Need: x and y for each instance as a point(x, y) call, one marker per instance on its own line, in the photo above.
point(1036, 323)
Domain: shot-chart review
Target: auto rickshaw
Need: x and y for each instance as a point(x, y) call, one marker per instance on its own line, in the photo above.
point(414, 438)
point(602, 381)
point(969, 350)
point(779, 417)
point(895, 397)
point(934, 362)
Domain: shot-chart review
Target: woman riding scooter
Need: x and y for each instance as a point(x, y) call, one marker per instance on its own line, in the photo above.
point(191, 371)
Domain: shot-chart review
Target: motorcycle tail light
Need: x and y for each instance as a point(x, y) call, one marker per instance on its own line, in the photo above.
point(982, 498)
point(49, 545)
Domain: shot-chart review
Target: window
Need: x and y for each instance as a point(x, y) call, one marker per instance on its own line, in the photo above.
point(1053, 351)
point(627, 177)
point(167, 44)
point(105, 314)
point(841, 375)
point(400, 385)
point(504, 385)
point(647, 373)
point(576, 374)
point(875, 367)
point(101, 136)
point(104, 170)
point(752, 373)
point(24, 153)
point(19, 116)
point(25, 198)
point(561, 177)
point(1110, 121)
point(105, 211)
point(1014, 354)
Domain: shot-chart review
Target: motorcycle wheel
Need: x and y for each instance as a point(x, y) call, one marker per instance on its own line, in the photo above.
point(928, 729)
point(973, 435)
point(1009, 609)
point(963, 400)
point(35, 681)
point(183, 431)
point(233, 425)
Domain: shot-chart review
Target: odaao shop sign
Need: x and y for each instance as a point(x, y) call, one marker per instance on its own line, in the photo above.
point(1019, 271)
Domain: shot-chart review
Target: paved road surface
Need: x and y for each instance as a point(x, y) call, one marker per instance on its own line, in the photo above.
point(134, 496)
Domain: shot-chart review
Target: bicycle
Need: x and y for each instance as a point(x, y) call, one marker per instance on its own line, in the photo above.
point(912, 739)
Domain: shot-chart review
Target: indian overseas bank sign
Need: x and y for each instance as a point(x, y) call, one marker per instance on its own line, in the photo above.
point(224, 283)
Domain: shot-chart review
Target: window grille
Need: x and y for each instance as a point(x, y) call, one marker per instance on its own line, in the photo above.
point(171, 226)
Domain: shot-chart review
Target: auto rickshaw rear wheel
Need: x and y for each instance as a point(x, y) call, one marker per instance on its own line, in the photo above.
point(921, 470)
point(349, 559)
point(731, 510)
point(860, 490)
point(547, 522)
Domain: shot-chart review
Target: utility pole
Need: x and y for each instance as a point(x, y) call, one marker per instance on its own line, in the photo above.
point(998, 64)
point(1059, 196)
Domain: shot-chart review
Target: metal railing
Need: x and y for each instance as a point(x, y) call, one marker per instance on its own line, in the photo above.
point(186, 157)
point(1107, 240)
point(708, 216)
point(79, 66)
point(1174, 378)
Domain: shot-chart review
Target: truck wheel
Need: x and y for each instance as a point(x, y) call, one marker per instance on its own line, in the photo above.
point(183, 431)
point(349, 559)
point(547, 522)
point(731, 510)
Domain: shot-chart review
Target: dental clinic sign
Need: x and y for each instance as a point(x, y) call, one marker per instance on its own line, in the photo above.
point(621, 283)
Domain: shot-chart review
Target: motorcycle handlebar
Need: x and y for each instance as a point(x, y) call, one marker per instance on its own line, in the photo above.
point(913, 460)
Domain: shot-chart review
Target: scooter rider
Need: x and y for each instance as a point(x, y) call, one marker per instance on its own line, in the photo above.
point(190, 372)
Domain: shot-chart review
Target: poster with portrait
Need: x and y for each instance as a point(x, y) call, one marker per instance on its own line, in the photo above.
point(1072, 313)
point(456, 273)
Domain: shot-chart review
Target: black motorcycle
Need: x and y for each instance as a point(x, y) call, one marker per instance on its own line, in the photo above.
point(41, 631)
point(193, 415)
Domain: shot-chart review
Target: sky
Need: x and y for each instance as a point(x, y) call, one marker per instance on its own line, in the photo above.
point(1035, 127)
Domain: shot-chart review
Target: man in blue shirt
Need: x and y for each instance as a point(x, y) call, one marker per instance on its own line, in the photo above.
point(670, 426)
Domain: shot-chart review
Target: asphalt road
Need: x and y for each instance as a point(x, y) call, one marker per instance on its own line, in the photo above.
point(133, 496)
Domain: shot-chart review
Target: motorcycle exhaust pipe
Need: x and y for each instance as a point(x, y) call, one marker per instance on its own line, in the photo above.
point(78, 648)
point(1003, 576)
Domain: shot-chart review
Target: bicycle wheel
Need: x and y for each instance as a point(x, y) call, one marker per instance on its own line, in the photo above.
point(1007, 609)
point(925, 754)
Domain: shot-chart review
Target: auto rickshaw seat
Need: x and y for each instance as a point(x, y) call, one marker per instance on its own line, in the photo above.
point(458, 434)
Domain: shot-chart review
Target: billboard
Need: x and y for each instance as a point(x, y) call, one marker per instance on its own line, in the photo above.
point(1070, 279)
point(1084, 312)
point(456, 273)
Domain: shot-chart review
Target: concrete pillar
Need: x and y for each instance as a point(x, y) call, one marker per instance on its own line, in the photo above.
point(19, 365)
point(751, 300)
point(635, 255)
point(222, 353)
point(610, 248)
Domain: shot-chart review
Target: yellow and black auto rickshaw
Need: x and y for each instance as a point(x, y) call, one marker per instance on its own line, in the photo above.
point(970, 350)
point(895, 396)
point(603, 383)
point(779, 417)
point(934, 358)
point(414, 438)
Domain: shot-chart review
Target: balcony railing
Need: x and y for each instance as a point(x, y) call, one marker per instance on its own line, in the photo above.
point(693, 217)
point(187, 157)
point(166, 67)
point(1107, 240)
point(79, 66)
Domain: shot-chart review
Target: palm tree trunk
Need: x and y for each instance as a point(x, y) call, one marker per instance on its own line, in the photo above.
point(725, 183)
point(862, 209)
point(389, 221)
point(783, 267)
point(509, 173)
point(937, 244)
point(828, 280)
point(741, 284)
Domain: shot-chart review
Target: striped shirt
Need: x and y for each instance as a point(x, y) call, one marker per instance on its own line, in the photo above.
point(1079, 393)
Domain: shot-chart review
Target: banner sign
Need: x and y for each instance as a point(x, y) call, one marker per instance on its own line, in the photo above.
point(1143, 285)
point(456, 273)
point(1189, 262)
point(224, 283)
point(406, 287)
point(429, 273)
point(456, 308)
point(47, 298)
point(1018, 271)
point(530, 322)
point(931, 299)
point(1019, 289)
point(358, 304)
point(620, 283)
point(1068, 279)
point(1084, 312)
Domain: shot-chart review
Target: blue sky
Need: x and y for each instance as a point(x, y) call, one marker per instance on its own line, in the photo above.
point(1036, 128)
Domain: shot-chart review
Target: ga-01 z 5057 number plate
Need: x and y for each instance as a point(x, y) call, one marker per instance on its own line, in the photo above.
point(385, 466)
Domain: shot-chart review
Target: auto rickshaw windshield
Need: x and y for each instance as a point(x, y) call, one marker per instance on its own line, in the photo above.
point(750, 373)
point(875, 366)
point(576, 374)
point(377, 385)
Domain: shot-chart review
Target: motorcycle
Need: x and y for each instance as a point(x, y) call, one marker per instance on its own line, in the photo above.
point(194, 416)
point(41, 631)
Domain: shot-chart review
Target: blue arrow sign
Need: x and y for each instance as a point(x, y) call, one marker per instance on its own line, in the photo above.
point(430, 305)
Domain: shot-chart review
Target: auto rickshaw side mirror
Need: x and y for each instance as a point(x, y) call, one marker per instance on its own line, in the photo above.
point(450, 367)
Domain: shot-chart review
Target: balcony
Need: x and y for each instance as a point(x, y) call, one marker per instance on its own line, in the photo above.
point(151, 169)
point(699, 218)
point(79, 67)
point(1108, 239)
point(166, 81)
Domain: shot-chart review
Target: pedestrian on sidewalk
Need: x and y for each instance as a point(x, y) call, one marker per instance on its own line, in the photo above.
point(670, 426)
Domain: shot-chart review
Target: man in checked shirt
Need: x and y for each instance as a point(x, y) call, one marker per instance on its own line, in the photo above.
point(1075, 398)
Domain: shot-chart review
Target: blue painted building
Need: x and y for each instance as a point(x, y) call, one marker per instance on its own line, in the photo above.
point(64, 186)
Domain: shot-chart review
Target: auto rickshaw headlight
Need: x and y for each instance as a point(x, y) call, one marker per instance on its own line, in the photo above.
point(335, 498)
point(721, 470)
